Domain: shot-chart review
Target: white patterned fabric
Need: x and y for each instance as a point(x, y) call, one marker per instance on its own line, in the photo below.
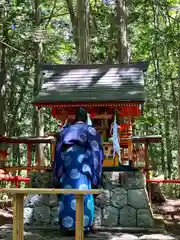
point(75, 174)
point(73, 204)
point(92, 131)
point(83, 187)
point(86, 169)
point(67, 222)
point(67, 161)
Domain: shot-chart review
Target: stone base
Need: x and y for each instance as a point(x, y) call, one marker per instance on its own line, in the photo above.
point(124, 203)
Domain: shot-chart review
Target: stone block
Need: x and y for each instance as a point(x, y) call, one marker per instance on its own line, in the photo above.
point(54, 215)
point(41, 180)
point(144, 218)
point(97, 216)
point(138, 198)
point(156, 237)
point(32, 236)
point(5, 236)
point(36, 200)
point(126, 237)
point(110, 216)
point(132, 180)
point(107, 185)
point(57, 238)
point(111, 177)
point(53, 201)
point(28, 216)
point(41, 215)
point(128, 217)
point(119, 197)
point(103, 199)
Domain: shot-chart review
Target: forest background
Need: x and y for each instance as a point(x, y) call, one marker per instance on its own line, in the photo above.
point(33, 32)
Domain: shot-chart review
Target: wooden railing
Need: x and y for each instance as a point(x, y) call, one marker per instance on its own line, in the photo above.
point(132, 152)
point(18, 207)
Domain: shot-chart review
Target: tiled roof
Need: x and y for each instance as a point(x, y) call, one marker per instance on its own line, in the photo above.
point(92, 83)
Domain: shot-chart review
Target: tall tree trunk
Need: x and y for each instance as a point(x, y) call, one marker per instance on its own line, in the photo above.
point(11, 127)
point(73, 17)
point(122, 42)
point(80, 24)
point(37, 61)
point(83, 31)
point(3, 72)
point(178, 125)
point(38, 115)
point(158, 76)
point(3, 75)
point(163, 164)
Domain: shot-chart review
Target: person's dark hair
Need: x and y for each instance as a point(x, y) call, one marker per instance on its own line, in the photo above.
point(81, 115)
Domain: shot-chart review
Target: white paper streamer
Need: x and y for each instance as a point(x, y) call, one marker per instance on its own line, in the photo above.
point(116, 145)
point(89, 122)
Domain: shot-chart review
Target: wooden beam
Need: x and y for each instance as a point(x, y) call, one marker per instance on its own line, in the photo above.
point(79, 217)
point(49, 191)
point(53, 150)
point(18, 207)
point(89, 104)
point(26, 140)
point(31, 168)
point(108, 163)
point(18, 217)
point(149, 139)
point(29, 156)
point(147, 165)
point(50, 139)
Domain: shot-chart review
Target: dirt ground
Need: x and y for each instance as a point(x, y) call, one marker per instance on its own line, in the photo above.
point(170, 210)
point(6, 215)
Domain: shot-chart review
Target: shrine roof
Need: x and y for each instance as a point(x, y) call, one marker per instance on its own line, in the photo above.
point(92, 83)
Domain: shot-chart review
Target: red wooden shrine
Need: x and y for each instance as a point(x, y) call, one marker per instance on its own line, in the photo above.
point(102, 115)
point(102, 90)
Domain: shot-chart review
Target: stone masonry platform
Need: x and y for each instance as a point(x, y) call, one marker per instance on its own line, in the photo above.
point(124, 203)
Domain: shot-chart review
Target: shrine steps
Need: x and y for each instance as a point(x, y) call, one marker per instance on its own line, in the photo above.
point(47, 228)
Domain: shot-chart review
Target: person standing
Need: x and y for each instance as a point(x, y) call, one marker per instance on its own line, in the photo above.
point(78, 164)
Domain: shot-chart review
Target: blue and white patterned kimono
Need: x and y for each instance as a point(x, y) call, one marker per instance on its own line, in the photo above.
point(78, 164)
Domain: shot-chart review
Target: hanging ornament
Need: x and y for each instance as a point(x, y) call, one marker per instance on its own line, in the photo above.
point(89, 122)
point(116, 145)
